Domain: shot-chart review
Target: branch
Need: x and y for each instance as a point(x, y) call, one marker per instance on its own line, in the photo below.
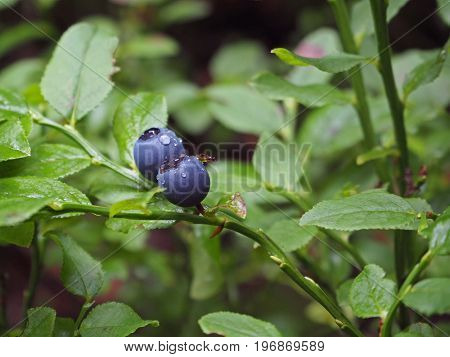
point(348, 43)
point(271, 248)
point(404, 289)
point(346, 246)
point(97, 157)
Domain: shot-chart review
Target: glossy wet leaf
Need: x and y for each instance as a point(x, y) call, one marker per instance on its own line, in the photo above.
point(13, 141)
point(371, 294)
point(18, 209)
point(112, 319)
point(20, 234)
point(136, 114)
point(78, 76)
point(49, 160)
point(207, 275)
point(231, 324)
point(40, 322)
point(289, 235)
point(81, 274)
point(312, 95)
point(332, 63)
point(243, 109)
point(33, 188)
point(424, 73)
point(368, 210)
point(430, 296)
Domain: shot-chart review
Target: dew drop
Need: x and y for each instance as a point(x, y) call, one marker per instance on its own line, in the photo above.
point(164, 139)
point(183, 175)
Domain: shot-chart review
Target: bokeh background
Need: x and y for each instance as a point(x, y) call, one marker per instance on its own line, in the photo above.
point(178, 47)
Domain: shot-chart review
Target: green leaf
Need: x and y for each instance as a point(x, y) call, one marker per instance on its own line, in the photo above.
point(149, 47)
point(430, 296)
point(444, 11)
point(183, 11)
point(135, 204)
point(64, 327)
point(231, 324)
point(81, 274)
point(207, 276)
point(238, 61)
point(332, 63)
point(136, 114)
point(18, 209)
point(243, 109)
point(440, 234)
point(33, 188)
point(40, 322)
point(22, 73)
point(20, 235)
point(375, 154)
point(343, 293)
point(279, 164)
point(49, 160)
point(26, 195)
point(13, 141)
point(368, 210)
point(330, 129)
point(17, 35)
point(12, 103)
point(229, 176)
point(313, 95)
point(112, 319)
point(371, 295)
point(417, 330)
point(361, 19)
point(77, 77)
point(289, 235)
point(424, 73)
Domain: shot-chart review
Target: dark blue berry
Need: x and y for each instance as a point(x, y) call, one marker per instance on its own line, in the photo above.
point(186, 181)
point(155, 147)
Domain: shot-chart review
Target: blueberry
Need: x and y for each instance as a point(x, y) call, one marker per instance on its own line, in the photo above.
point(155, 147)
point(186, 181)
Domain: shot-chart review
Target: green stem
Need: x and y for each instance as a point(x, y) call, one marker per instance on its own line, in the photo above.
point(35, 271)
point(97, 157)
point(84, 309)
point(274, 252)
point(379, 8)
point(401, 240)
point(348, 43)
point(305, 206)
point(404, 289)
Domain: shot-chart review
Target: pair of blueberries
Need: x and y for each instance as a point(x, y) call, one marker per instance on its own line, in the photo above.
point(160, 156)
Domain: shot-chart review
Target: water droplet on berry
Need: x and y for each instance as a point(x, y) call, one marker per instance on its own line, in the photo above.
point(164, 139)
point(183, 175)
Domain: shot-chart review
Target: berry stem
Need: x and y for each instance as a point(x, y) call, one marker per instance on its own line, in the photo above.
point(271, 248)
